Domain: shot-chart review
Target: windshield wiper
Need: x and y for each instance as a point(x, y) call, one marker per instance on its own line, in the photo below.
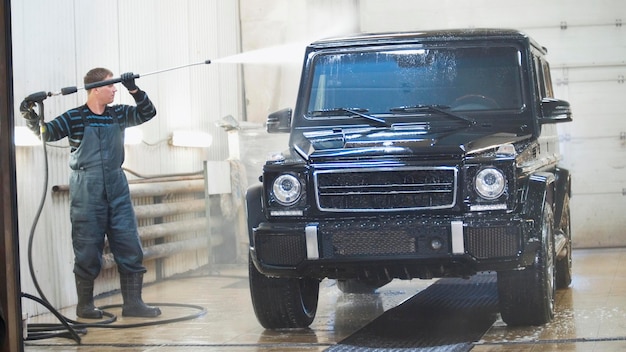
point(443, 109)
point(346, 112)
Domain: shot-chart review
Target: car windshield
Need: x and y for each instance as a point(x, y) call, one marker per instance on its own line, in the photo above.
point(392, 81)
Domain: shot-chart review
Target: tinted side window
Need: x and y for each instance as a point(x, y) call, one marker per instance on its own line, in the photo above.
point(544, 80)
point(547, 79)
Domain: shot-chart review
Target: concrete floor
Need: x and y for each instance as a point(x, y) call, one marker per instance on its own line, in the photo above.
point(590, 316)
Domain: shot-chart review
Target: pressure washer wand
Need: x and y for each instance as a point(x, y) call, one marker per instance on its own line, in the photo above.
point(71, 90)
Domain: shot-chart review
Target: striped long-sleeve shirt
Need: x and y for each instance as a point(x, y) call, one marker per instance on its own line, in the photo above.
point(70, 123)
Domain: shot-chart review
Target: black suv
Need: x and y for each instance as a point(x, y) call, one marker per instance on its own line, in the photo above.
point(414, 155)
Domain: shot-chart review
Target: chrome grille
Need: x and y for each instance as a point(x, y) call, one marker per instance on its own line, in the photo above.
point(386, 189)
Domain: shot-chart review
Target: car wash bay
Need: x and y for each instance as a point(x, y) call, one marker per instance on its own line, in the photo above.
point(586, 48)
point(417, 315)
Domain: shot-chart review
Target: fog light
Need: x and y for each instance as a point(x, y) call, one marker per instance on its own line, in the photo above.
point(436, 243)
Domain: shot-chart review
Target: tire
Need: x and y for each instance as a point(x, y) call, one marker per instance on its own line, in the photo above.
point(564, 265)
point(283, 303)
point(527, 296)
point(360, 286)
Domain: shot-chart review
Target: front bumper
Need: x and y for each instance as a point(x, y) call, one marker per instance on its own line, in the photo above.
point(393, 247)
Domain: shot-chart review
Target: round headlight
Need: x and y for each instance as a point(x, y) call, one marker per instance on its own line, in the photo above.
point(286, 189)
point(490, 183)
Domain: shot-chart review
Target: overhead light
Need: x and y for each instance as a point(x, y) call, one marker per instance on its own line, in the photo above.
point(133, 136)
point(24, 137)
point(194, 139)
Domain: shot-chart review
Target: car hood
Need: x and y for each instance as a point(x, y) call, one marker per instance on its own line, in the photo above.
point(370, 142)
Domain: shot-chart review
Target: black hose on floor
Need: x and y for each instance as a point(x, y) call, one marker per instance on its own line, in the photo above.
point(72, 329)
point(69, 328)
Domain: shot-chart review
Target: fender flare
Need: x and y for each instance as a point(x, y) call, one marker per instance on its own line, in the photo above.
point(563, 188)
point(539, 192)
point(254, 209)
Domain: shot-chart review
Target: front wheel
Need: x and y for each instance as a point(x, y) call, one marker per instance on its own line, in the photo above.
point(283, 303)
point(527, 296)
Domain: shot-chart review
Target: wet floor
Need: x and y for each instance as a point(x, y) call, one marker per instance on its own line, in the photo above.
point(590, 316)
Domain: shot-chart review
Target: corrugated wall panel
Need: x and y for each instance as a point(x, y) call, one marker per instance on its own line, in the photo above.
point(51, 256)
point(595, 148)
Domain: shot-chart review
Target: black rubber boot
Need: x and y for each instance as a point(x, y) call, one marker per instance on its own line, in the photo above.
point(85, 307)
point(131, 285)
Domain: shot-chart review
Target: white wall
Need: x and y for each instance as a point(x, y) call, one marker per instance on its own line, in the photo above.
point(587, 47)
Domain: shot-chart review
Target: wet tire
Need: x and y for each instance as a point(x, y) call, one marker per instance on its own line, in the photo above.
point(283, 303)
point(360, 286)
point(564, 265)
point(527, 296)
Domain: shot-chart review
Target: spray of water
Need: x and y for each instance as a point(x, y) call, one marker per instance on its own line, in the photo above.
point(293, 52)
point(290, 53)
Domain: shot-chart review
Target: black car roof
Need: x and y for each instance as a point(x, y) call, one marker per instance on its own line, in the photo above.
point(361, 39)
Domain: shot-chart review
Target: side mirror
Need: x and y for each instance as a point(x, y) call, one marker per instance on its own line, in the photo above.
point(279, 121)
point(555, 110)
